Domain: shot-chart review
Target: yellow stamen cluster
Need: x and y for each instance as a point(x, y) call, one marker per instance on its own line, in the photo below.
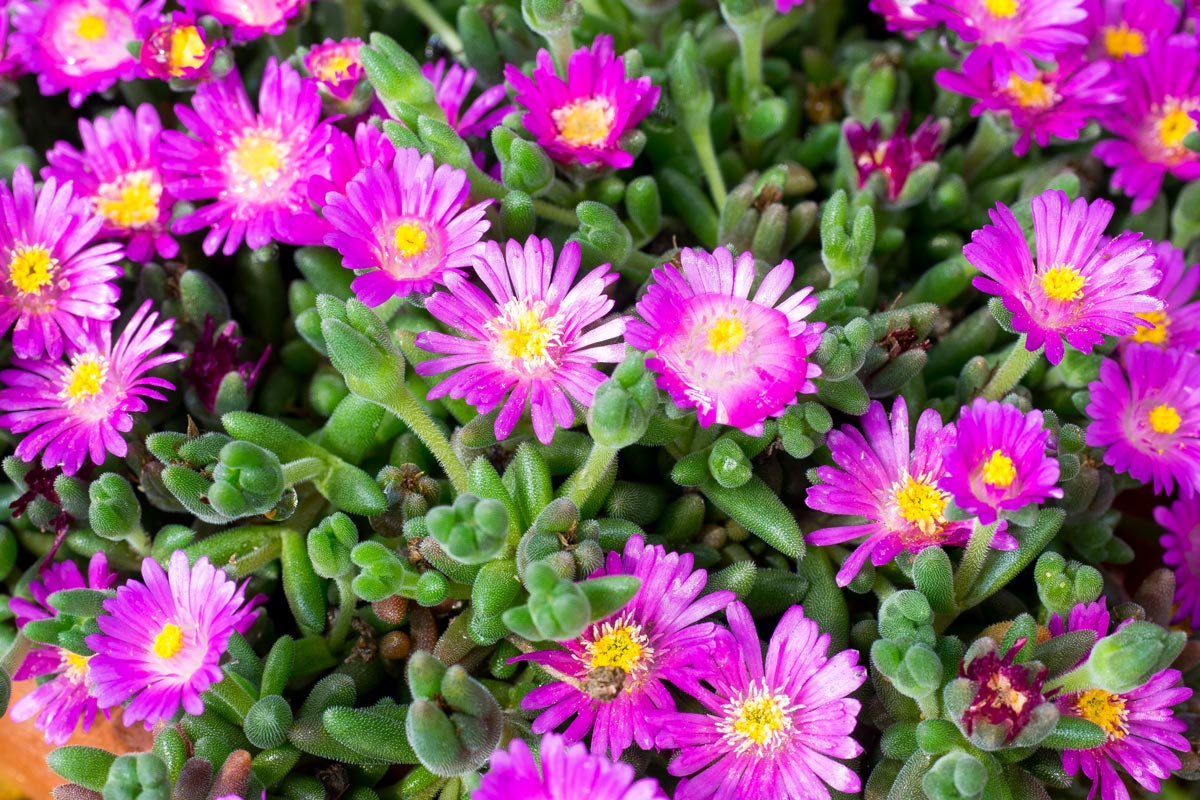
point(999, 471)
point(584, 123)
point(527, 333)
point(1165, 419)
point(1104, 709)
point(91, 27)
point(31, 269)
point(1121, 41)
point(411, 239)
point(1157, 330)
point(726, 335)
point(131, 201)
point(921, 503)
point(84, 380)
point(1063, 283)
point(757, 721)
point(257, 158)
point(169, 641)
point(187, 50)
point(1005, 9)
point(621, 644)
point(1033, 93)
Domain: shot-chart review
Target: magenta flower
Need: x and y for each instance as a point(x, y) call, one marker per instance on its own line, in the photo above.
point(405, 223)
point(80, 408)
point(175, 47)
point(1141, 727)
point(1177, 324)
point(12, 61)
point(998, 460)
point(1162, 92)
point(79, 46)
point(784, 6)
point(336, 67)
point(583, 118)
point(1082, 287)
point(895, 488)
point(52, 280)
point(1146, 412)
point(1056, 103)
point(774, 727)
point(215, 355)
point(529, 341)
point(348, 157)
point(62, 701)
point(161, 639)
point(1121, 29)
point(895, 157)
point(451, 87)
point(255, 166)
point(119, 171)
point(249, 18)
point(615, 673)
point(1181, 545)
point(1023, 30)
point(567, 773)
point(903, 16)
point(736, 360)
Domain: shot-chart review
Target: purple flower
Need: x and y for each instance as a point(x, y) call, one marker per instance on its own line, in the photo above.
point(175, 47)
point(614, 675)
point(214, 356)
point(896, 157)
point(451, 87)
point(1181, 544)
point(736, 360)
point(161, 639)
point(1121, 29)
point(62, 701)
point(405, 223)
point(1083, 285)
point(903, 16)
point(79, 45)
point(255, 166)
point(119, 171)
point(998, 460)
point(896, 489)
point(249, 18)
point(530, 336)
point(1049, 103)
point(583, 118)
point(1177, 324)
point(773, 727)
point(1007, 696)
point(52, 280)
point(336, 67)
point(1022, 29)
point(1162, 92)
point(567, 773)
point(1146, 412)
point(80, 408)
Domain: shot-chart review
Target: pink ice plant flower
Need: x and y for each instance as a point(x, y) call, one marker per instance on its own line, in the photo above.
point(615, 674)
point(893, 483)
point(79, 46)
point(566, 772)
point(73, 409)
point(405, 225)
point(998, 460)
point(1121, 29)
point(348, 157)
point(175, 47)
point(255, 166)
point(736, 359)
point(120, 172)
point(1082, 286)
point(582, 119)
point(250, 19)
point(336, 67)
point(1181, 552)
point(451, 87)
point(1055, 103)
point(773, 726)
point(63, 701)
point(161, 639)
point(1177, 324)
point(1145, 410)
point(906, 17)
point(52, 278)
point(1162, 92)
point(529, 340)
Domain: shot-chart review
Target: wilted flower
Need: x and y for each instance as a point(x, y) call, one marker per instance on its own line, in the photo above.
point(214, 356)
point(895, 157)
point(1004, 704)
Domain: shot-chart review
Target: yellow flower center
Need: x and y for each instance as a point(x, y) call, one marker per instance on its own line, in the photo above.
point(1063, 283)
point(1174, 127)
point(131, 201)
point(411, 239)
point(91, 27)
point(1029, 94)
point(621, 644)
point(258, 158)
point(1104, 709)
point(1165, 419)
point(169, 641)
point(85, 379)
point(1002, 8)
point(334, 68)
point(921, 503)
point(188, 50)
point(75, 666)
point(757, 720)
point(585, 122)
point(1121, 40)
point(726, 335)
point(31, 269)
point(527, 333)
point(1157, 330)
point(999, 471)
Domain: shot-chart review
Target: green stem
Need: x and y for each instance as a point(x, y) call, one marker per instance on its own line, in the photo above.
point(405, 406)
point(341, 623)
point(561, 46)
point(750, 39)
point(302, 469)
point(1014, 367)
point(638, 266)
point(555, 214)
point(977, 550)
point(701, 137)
point(432, 18)
point(592, 472)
